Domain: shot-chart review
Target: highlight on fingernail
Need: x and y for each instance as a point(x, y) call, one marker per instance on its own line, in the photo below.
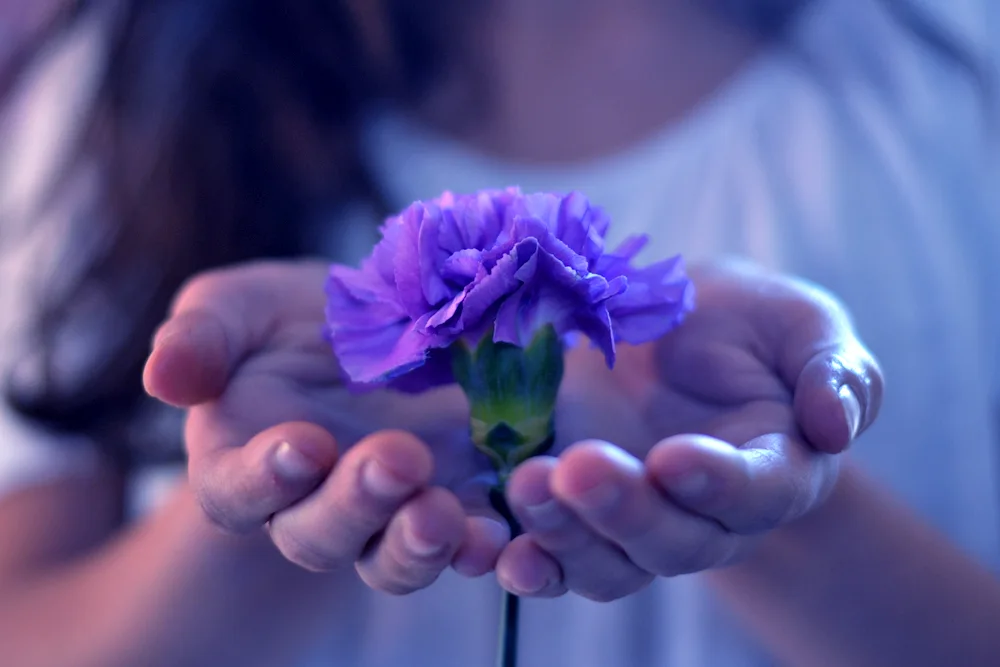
point(380, 481)
point(852, 409)
point(547, 515)
point(419, 545)
point(293, 465)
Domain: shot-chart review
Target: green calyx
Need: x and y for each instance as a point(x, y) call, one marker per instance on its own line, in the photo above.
point(512, 395)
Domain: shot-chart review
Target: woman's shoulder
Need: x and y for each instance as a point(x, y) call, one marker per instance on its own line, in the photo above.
point(930, 63)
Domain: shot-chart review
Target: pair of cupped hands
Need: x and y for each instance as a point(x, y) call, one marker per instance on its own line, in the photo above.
point(676, 461)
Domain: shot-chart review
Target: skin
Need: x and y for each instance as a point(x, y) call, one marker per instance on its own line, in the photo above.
point(620, 516)
point(811, 590)
point(182, 587)
point(760, 371)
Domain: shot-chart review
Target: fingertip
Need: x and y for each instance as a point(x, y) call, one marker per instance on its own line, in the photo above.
point(828, 411)
point(680, 450)
point(587, 465)
point(837, 397)
point(189, 362)
point(694, 469)
point(400, 453)
point(529, 483)
point(433, 523)
point(525, 569)
point(300, 450)
point(239, 489)
point(485, 539)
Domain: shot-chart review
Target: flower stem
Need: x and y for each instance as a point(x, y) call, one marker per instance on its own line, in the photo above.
point(510, 604)
point(510, 611)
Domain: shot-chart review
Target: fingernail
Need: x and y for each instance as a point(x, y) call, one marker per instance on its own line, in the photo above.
point(852, 409)
point(548, 515)
point(382, 482)
point(293, 465)
point(418, 545)
point(691, 486)
point(497, 533)
point(532, 584)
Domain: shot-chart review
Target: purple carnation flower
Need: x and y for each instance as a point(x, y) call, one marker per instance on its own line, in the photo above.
point(459, 266)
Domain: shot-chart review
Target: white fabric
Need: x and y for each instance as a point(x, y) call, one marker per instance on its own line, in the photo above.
point(861, 166)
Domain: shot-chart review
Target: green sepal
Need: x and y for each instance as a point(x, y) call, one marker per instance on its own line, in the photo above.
point(512, 395)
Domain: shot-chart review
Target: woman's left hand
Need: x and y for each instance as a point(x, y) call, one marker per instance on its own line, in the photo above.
point(770, 375)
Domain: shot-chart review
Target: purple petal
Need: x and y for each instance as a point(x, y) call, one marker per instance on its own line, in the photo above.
point(491, 288)
point(379, 356)
point(461, 267)
point(361, 285)
point(581, 226)
point(533, 228)
point(507, 326)
point(435, 372)
point(446, 313)
point(597, 326)
point(383, 258)
point(431, 257)
point(617, 262)
point(407, 262)
point(656, 301)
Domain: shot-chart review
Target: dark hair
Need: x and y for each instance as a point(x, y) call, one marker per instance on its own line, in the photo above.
point(218, 127)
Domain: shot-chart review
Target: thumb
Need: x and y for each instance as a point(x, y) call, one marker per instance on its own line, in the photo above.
point(190, 362)
point(220, 318)
point(837, 396)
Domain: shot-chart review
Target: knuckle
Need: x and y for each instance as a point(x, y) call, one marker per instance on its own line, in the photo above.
point(783, 491)
point(217, 511)
point(794, 499)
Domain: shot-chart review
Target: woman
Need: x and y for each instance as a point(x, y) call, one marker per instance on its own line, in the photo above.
point(219, 129)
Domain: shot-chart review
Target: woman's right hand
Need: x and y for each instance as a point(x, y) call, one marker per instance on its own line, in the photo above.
point(274, 438)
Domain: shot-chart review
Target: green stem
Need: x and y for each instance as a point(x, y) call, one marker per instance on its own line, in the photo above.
point(510, 604)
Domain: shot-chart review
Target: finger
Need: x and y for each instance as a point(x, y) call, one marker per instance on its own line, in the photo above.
point(240, 488)
point(750, 490)
point(485, 540)
point(591, 565)
point(609, 490)
point(372, 481)
point(806, 335)
point(837, 384)
point(218, 319)
point(525, 569)
point(838, 395)
point(190, 360)
point(419, 543)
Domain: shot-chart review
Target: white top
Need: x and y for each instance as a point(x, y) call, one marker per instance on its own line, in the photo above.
point(862, 167)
